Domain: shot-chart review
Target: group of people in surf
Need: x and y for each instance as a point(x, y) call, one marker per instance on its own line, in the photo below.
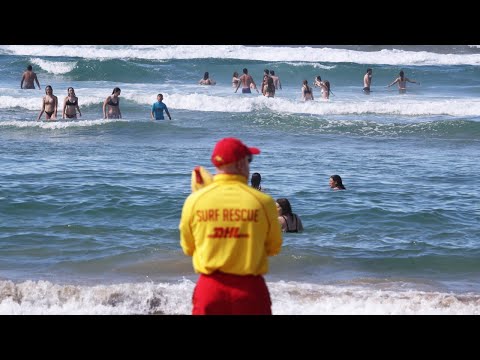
point(111, 105)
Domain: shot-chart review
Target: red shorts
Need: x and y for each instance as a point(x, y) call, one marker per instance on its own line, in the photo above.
point(227, 294)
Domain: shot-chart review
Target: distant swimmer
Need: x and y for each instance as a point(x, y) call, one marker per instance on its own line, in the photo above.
point(49, 105)
point(28, 78)
point(402, 82)
point(158, 108)
point(256, 180)
point(246, 81)
point(113, 103)
point(206, 80)
point(70, 105)
point(307, 92)
point(367, 81)
point(289, 221)
point(335, 182)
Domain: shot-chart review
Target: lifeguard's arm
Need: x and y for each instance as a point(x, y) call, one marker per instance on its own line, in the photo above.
point(36, 80)
point(273, 243)
point(64, 107)
point(152, 115)
point(105, 107)
point(43, 108)
point(21, 82)
point(187, 241)
point(166, 110)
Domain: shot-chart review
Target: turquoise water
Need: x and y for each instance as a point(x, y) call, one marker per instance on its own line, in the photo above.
point(90, 208)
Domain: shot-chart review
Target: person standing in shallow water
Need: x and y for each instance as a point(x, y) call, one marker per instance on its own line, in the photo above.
point(49, 105)
point(367, 81)
point(246, 81)
point(158, 108)
point(307, 92)
point(206, 80)
point(230, 230)
point(70, 105)
point(28, 78)
point(402, 82)
point(113, 104)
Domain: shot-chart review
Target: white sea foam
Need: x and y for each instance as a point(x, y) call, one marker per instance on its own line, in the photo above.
point(181, 100)
point(43, 297)
point(262, 53)
point(54, 67)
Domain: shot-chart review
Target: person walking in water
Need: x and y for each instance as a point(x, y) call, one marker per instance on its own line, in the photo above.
point(402, 82)
point(158, 108)
point(246, 80)
point(70, 105)
point(113, 103)
point(49, 105)
point(28, 78)
point(230, 229)
point(367, 81)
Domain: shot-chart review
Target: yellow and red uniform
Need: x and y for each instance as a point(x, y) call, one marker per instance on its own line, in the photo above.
point(230, 229)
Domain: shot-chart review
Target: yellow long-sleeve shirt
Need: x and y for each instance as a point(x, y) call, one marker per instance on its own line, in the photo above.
point(230, 227)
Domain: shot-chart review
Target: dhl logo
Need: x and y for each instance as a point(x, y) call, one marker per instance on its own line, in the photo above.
point(226, 232)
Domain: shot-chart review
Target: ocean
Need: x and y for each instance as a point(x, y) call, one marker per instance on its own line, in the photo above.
point(89, 208)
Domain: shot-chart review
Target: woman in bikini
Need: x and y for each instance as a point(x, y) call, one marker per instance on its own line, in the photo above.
point(113, 103)
point(49, 105)
point(289, 221)
point(70, 105)
point(235, 79)
point(307, 93)
point(269, 89)
point(324, 87)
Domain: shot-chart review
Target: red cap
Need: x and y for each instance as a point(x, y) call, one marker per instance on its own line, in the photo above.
point(229, 150)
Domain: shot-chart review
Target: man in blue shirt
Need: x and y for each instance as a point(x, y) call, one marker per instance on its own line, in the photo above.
point(157, 109)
